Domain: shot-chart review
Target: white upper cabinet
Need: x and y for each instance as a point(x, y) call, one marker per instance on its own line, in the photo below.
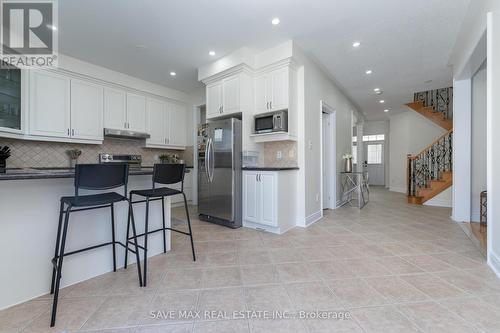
point(136, 112)
point(214, 99)
point(156, 121)
point(49, 105)
point(115, 108)
point(178, 126)
point(166, 123)
point(272, 90)
point(230, 95)
point(86, 110)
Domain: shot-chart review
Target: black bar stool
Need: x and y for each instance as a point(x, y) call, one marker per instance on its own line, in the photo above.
point(166, 174)
point(91, 177)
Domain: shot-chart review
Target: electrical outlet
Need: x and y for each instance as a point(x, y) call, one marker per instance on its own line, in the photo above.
point(317, 197)
point(310, 145)
point(279, 155)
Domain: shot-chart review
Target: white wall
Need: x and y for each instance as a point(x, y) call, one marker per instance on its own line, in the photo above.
point(317, 87)
point(409, 133)
point(478, 131)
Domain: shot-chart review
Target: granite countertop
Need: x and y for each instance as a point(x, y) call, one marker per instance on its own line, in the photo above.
point(56, 172)
point(269, 168)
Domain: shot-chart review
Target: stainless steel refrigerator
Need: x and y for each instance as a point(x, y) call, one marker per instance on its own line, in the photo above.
point(219, 172)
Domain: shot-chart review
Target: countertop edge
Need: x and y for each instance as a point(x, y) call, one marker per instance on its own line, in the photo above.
point(269, 168)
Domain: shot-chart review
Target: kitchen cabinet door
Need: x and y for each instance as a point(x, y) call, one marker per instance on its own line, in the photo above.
point(156, 124)
point(177, 125)
point(267, 199)
point(280, 87)
point(231, 95)
point(49, 105)
point(86, 110)
point(136, 112)
point(251, 197)
point(214, 99)
point(115, 108)
point(262, 93)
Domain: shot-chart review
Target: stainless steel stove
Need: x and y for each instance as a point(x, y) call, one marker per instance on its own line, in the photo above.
point(134, 161)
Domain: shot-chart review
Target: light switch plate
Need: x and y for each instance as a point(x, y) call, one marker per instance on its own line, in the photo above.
point(279, 155)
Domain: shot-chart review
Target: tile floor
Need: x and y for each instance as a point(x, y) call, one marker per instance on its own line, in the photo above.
point(390, 267)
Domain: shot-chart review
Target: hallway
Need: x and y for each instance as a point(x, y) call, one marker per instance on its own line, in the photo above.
point(391, 267)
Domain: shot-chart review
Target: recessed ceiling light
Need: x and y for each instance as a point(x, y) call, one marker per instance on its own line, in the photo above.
point(381, 101)
point(173, 73)
point(386, 110)
point(356, 44)
point(368, 72)
point(212, 53)
point(52, 27)
point(275, 21)
point(376, 89)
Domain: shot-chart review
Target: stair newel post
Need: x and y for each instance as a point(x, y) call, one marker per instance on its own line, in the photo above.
point(408, 174)
point(450, 151)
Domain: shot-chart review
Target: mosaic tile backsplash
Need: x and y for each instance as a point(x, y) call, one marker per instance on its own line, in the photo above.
point(288, 154)
point(27, 153)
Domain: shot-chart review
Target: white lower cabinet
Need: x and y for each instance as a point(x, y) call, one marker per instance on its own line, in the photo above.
point(269, 200)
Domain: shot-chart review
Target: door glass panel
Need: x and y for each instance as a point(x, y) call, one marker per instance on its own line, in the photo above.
point(10, 96)
point(374, 154)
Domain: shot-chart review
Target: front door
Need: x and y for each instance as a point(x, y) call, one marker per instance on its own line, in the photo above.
point(373, 163)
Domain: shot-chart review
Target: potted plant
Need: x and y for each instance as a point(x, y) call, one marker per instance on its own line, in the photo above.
point(164, 158)
point(73, 156)
point(347, 162)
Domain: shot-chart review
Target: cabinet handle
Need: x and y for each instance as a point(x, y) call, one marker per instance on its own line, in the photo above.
point(267, 106)
point(270, 105)
point(72, 132)
point(68, 131)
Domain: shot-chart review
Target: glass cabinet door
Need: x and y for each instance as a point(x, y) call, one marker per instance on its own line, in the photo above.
point(10, 97)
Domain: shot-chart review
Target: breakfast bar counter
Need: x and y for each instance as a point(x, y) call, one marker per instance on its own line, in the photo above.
point(29, 208)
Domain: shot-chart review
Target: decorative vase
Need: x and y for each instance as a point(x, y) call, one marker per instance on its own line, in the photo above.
point(348, 165)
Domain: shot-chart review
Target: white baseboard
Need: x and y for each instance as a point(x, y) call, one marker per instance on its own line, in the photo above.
point(494, 263)
point(313, 218)
point(475, 217)
point(397, 189)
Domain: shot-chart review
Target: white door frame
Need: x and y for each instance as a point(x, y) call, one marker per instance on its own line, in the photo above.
point(332, 204)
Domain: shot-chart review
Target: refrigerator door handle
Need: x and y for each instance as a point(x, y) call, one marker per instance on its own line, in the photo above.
point(212, 160)
point(207, 160)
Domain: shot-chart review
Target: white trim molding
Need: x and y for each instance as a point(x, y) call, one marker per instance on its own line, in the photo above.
point(315, 217)
point(494, 263)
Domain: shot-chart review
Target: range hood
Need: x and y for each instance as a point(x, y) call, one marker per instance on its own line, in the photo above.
point(125, 134)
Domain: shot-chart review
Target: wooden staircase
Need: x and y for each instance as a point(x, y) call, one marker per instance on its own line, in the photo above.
point(430, 172)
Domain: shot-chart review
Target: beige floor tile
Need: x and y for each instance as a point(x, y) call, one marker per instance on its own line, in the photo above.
point(459, 261)
point(396, 265)
point(175, 328)
point(433, 286)
point(277, 326)
point(475, 312)
point(221, 277)
point(218, 259)
point(470, 283)
point(338, 269)
point(221, 304)
point(253, 257)
point(118, 311)
point(429, 263)
point(356, 293)
point(284, 255)
point(434, 318)
point(296, 272)
point(348, 325)
point(259, 274)
point(173, 307)
point(18, 317)
point(178, 279)
point(71, 315)
point(366, 267)
point(396, 290)
point(312, 296)
point(384, 319)
point(226, 326)
point(268, 298)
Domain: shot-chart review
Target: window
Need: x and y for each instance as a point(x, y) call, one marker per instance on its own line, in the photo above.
point(374, 154)
point(354, 154)
point(377, 137)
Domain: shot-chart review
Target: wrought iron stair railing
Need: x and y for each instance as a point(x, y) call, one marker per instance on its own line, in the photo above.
point(440, 99)
point(430, 164)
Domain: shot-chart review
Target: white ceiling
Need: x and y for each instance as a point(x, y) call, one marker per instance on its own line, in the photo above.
point(404, 42)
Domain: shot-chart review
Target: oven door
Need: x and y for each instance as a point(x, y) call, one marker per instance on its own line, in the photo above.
point(264, 124)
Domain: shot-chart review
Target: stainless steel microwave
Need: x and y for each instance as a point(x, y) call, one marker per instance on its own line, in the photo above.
point(271, 122)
